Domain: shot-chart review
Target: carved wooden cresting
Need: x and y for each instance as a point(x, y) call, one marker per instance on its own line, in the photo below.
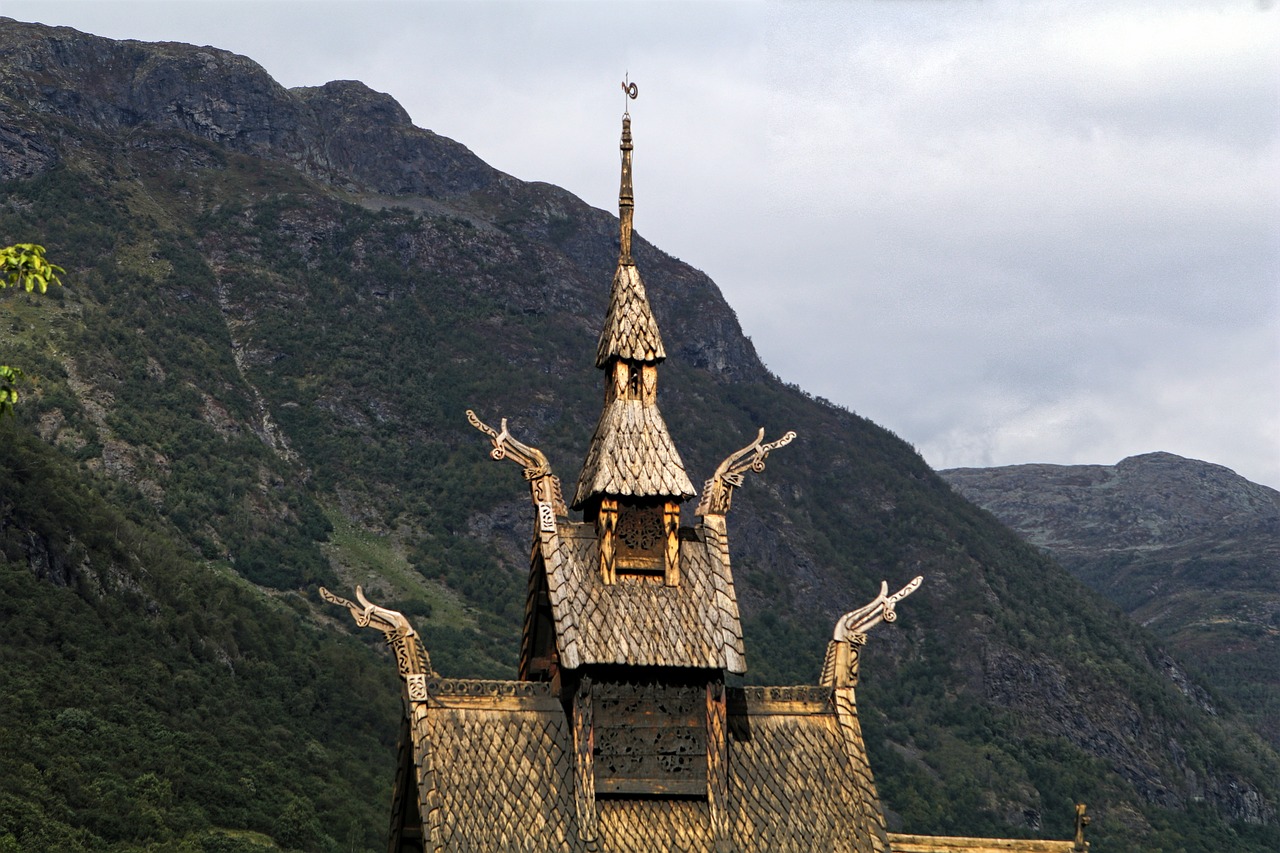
point(840, 667)
point(411, 658)
point(621, 732)
point(416, 807)
point(717, 493)
point(544, 486)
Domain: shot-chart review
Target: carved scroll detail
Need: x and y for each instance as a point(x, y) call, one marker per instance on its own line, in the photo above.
point(880, 609)
point(411, 658)
point(544, 485)
point(417, 686)
point(717, 493)
point(840, 667)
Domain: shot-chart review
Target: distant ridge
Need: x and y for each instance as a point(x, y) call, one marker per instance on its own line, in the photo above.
point(1187, 548)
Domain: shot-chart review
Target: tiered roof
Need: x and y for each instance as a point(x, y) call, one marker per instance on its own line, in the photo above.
point(631, 453)
point(630, 331)
point(621, 734)
point(693, 624)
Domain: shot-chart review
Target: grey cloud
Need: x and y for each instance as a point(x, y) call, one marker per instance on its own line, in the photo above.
point(1008, 232)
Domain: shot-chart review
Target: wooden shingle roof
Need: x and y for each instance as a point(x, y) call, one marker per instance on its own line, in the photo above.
point(493, 770)
point(630, 331)
point(632, 455)
point(695, 624)
point(633, 742)
point(498, 767)
point(496, 772)
point(906, 843)
point(507, 766)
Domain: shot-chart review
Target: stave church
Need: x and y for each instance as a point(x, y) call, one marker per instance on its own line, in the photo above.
point(619, 731)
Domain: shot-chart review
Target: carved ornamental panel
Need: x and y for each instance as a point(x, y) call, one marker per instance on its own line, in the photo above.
point(650, 739)
point(641, 537)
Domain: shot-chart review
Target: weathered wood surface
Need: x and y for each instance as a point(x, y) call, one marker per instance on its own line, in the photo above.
point(488, 695)
point(652, 752)
point(650, 738)
point(632, 455)
point(630, 331)
point(718, 767)
point(717, 492)
point(671, 555)
point(903, 843)
point(693, 624)
point(695, 785)
point(770, 701)
point(584, 778)
point(865, 806)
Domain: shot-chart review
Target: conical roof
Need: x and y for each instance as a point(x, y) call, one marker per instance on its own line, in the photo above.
point(631, 453)
point(630, 331)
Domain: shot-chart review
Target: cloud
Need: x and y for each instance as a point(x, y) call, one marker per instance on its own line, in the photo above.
point(1008, 232)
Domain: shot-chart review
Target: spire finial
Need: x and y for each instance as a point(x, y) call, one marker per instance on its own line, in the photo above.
point(626, 199)
point(631, 91)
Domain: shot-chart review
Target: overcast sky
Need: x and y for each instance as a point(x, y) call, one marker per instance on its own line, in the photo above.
point(1009, 232)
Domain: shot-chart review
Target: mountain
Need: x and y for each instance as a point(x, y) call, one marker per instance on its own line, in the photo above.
point(279, 305)
point(1189, 549)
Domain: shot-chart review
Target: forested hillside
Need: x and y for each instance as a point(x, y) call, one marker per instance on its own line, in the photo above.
point(278, 305)
point(1189, 549)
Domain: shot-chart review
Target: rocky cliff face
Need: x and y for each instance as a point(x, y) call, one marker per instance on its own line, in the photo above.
point(1156, 500)
point(279, 305)
point(1187, 548)
point(343, 133)
point(229, 100)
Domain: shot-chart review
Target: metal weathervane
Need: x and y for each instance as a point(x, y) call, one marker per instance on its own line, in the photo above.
point(630, 90)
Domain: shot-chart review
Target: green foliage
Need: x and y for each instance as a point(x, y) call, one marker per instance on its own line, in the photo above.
point(151, 703)
point(9, 379)
point(24, 265)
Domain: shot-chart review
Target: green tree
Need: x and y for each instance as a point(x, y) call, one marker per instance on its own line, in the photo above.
point(22, 265)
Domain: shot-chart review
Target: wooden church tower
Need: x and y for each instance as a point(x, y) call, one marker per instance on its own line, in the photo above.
point(620, 733)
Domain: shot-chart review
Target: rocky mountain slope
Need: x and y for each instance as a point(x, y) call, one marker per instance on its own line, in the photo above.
point(280, 303)
point(1189, 549)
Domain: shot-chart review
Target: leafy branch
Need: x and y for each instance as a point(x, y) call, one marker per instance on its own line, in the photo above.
point(22, 265)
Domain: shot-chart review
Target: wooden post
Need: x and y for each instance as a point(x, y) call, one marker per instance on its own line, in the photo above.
point(606, 524)
point(718, 767)
point(584, 777)
point(671, 522)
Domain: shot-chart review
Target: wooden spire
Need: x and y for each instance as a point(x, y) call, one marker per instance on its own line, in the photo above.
point(630, 331)
point(626, 196)
point(631, 454)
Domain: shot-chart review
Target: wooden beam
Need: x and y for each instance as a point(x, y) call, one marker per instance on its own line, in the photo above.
point(904, 843)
